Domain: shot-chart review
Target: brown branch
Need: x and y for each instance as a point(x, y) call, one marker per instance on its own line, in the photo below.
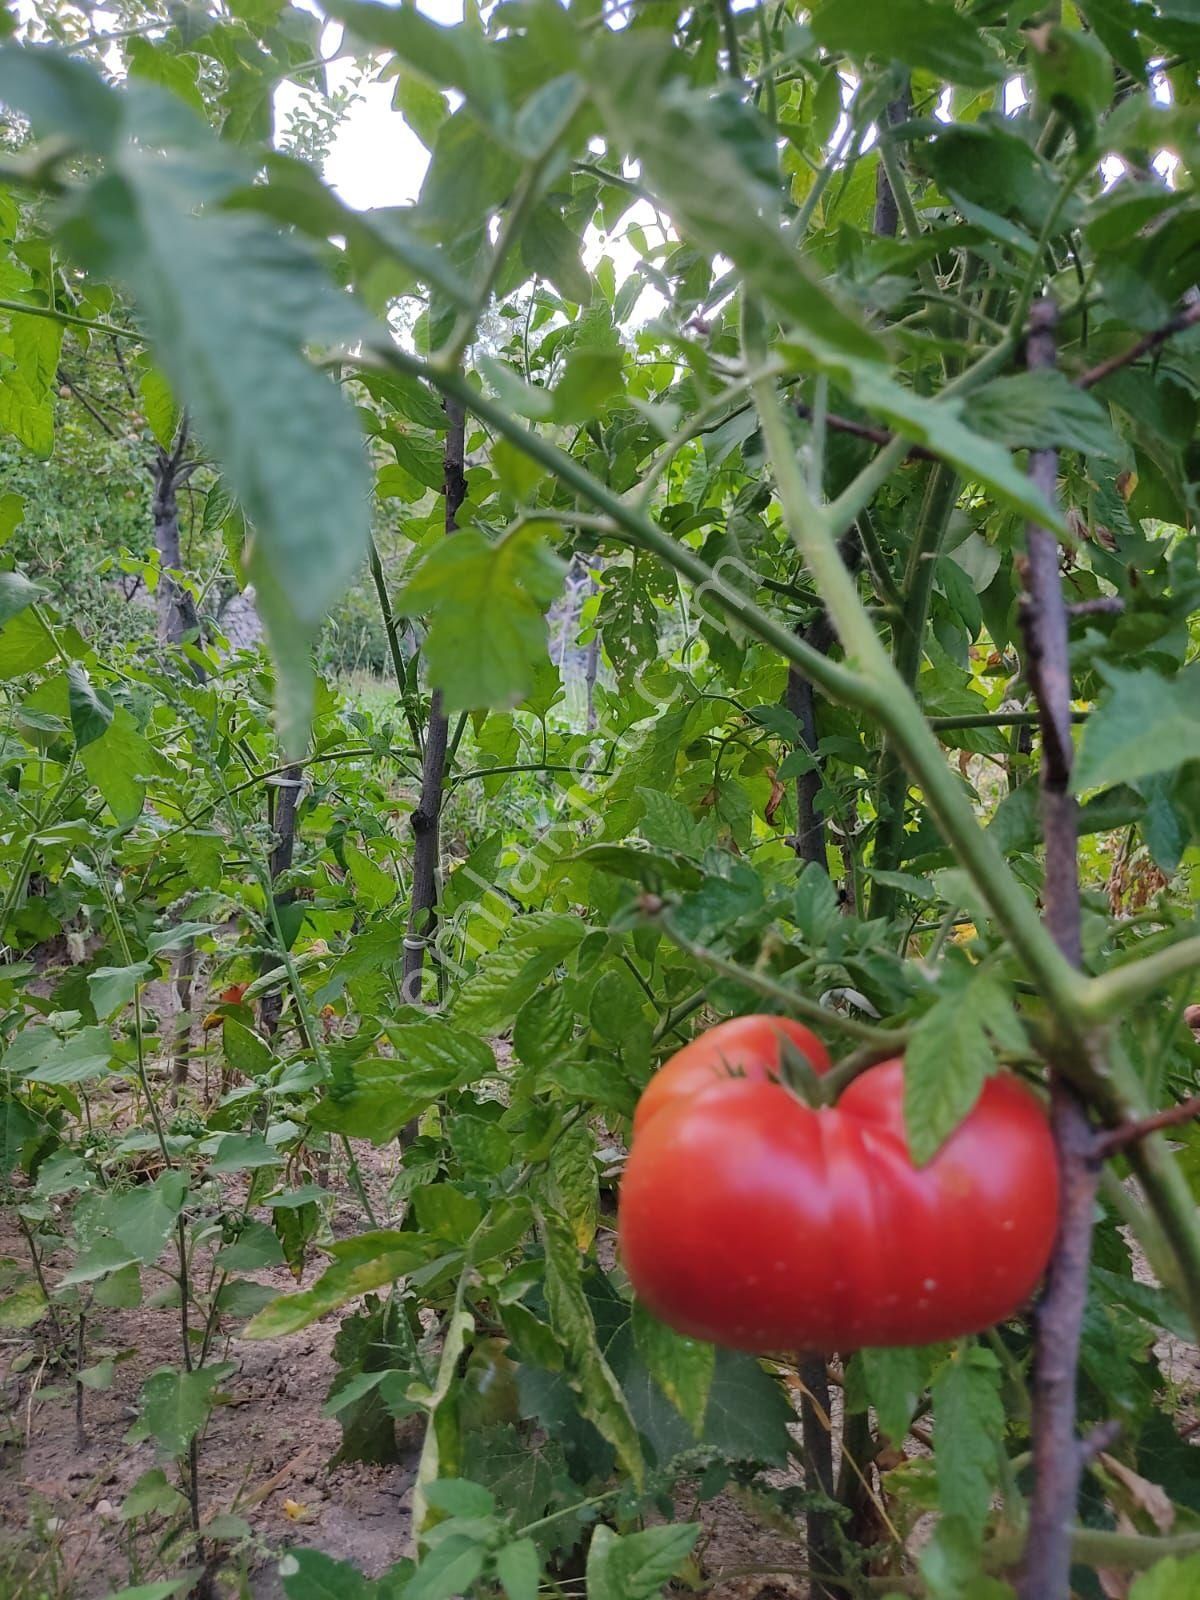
point(1120, 1138)
point(426, 819)
point(1105, 605)
point(1057, 1455)
point(1179, 323)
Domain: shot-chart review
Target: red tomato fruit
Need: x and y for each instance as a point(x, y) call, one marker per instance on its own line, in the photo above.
point(742, 1048)
point(755, 1221)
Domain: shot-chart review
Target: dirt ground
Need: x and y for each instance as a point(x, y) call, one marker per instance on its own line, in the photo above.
point(264, 1455)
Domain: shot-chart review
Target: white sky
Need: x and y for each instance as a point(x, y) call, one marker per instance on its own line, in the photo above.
point(375, 160)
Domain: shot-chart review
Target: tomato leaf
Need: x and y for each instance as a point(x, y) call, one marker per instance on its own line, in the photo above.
point(683, 1368)
point(969, 1425)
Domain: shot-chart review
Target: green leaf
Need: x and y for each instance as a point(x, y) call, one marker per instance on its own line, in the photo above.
point(600, 1394)
point(969, 1422)
point(519, 1569)
point(158, 403)
point(458, 1497)
point(508, 975)
point(949, 1056)
point(245, 1050)
point(12, 513)
point(591, 377)
point(931, 35)
point(1177, 1578)
point(91, 708)
point(229, 304)
point(1071, 72)
point(635, 1566)
point(575, 1182)
point(1040, 410)
point(730, 210)
point(551, 250)
point(16, 592)
point(543, 1028)
point(312, 1575)
point(117, 763)
point(244, 1152)
point(449, 1569)
point(487, 631)
point(39, 1055)
point(112, 988)
point(374, 1098)
point(151, 1496)
point(894, 1380)
point(667, 822)
point(26, 643)
point(255, 1247)
point(683, 1368)
point(175, 1405)
point(396, 1255)
point(60, 96)
point(1145, 724)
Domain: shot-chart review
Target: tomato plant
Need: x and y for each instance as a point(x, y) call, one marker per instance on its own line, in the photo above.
point(527, 540)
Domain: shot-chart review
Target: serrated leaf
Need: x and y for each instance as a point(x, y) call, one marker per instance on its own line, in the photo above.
point(1041, 410)
point(894, 1380)
point(487, 629)
point(575, 1182)
point(374, 1098)
point(683, 1368)
point(1145, 724)
point(635, 1566)
point(543, 1027)
point(969, 1419)
point(950, 1055)
point(603, 1403)
point(507, 976)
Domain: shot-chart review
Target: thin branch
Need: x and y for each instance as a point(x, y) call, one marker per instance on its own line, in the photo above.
point(52, 314)
point(1179, 323)
point(1120, 1138)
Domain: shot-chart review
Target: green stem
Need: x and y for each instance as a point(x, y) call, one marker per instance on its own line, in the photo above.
point(885, 1040)
point(940, 496)
point(53, 315)
point(886, 694)
point(1115, 991)
point(393, 639)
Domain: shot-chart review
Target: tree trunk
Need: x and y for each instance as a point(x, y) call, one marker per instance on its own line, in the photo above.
point(426, 819)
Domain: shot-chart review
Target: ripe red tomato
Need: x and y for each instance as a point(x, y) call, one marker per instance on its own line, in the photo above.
point(755, 1221)
point(743, 1048)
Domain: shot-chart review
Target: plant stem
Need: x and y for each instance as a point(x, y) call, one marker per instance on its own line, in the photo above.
point(393, 639)
point(426, 819)
point(940, 495)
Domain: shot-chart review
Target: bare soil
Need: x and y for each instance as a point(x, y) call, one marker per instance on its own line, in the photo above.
point(264, 1455)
